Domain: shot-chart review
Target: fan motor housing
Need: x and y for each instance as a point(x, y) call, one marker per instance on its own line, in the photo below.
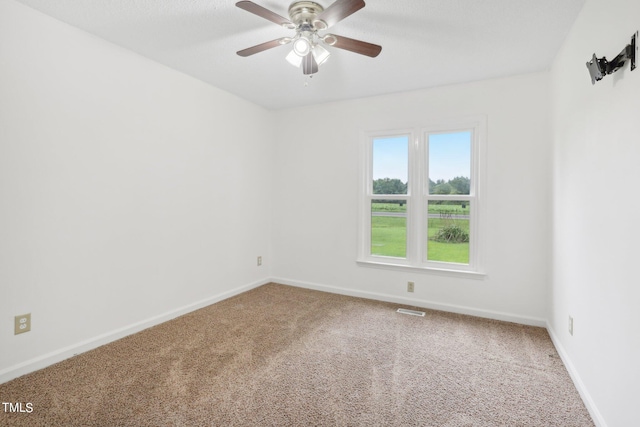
point(304, 12)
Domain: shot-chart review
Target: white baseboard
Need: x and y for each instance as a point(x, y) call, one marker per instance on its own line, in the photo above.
point(487, 314)
point(577, 381)
point(81, 347)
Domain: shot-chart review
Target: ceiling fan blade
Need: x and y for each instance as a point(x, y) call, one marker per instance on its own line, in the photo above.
point(256, 9)
point(357, 46)
point(263, 46)
point(309, 64)
point(339, 10)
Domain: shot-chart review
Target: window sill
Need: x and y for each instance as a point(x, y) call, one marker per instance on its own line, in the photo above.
point(429, 270)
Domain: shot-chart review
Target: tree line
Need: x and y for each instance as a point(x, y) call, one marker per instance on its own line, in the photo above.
point(457, 185)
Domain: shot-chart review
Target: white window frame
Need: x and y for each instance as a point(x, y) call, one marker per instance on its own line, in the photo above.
point(418, 196)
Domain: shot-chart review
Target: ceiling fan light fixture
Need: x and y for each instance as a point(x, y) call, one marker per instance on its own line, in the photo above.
point(294, 59)
point(302, 46)
point(307, 17)
point(320, 54)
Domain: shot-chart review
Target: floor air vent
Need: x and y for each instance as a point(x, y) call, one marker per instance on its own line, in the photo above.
point(411, 312)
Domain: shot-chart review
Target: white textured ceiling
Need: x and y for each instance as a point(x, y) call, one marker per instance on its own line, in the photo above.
point(425, 43)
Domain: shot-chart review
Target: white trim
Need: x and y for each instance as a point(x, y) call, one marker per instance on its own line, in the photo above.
point(418, 196)
point(451, 308)
point(366, 195)
point(477, 127)
point(59, 355)
point(577, 381)
point(414, 241)
point(394, 264)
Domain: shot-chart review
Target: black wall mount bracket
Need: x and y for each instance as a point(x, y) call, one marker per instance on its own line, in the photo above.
point(600, 67)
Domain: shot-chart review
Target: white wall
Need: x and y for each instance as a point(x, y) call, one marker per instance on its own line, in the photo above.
point(127, 190)
point(596, 211)
point(315, 205)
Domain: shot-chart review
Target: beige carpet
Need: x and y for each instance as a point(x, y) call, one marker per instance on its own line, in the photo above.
point(280, 356)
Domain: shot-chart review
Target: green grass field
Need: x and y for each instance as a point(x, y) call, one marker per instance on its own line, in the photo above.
point(389, 238)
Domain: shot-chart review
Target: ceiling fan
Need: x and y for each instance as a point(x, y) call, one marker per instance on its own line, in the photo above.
point(307, 18)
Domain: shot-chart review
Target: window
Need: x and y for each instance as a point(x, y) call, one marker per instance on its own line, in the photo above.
point(421, 199)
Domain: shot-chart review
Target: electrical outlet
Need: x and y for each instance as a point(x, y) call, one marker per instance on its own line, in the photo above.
point(259, 261)
point(410, 286)
point(22, 324)
point(570, 325)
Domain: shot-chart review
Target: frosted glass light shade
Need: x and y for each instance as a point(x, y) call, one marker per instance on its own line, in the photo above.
point(301, 47)
point(294, 59)
point(320, 54)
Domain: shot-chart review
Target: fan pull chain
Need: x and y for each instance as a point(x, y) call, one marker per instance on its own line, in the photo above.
point(308, 80)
